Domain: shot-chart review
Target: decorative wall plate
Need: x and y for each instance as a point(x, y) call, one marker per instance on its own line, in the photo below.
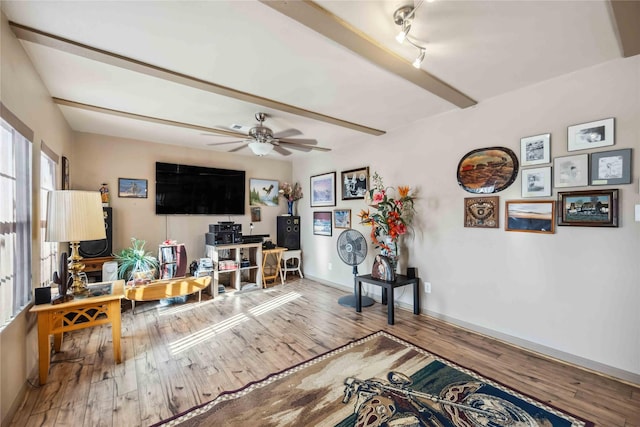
point(487, 170)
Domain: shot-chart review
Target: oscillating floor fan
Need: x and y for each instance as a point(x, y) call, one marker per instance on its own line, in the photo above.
point(352, 249)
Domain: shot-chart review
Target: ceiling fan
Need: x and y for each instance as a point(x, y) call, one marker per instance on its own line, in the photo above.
point(262, 140)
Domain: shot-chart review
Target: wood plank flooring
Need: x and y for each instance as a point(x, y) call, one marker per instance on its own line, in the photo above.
point(179, 356)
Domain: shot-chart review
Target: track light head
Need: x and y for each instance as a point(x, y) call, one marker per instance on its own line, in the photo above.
point(404, 17)
point(418, 61)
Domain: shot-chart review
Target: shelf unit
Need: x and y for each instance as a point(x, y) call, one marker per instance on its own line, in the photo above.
point(227, 260)
point(172, 260)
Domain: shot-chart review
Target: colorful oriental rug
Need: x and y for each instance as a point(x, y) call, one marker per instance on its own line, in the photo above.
point(379, 380)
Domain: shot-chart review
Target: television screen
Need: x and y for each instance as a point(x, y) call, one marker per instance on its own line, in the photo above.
point(197, 190)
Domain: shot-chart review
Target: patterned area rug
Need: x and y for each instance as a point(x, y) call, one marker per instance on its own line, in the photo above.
point(379, 380)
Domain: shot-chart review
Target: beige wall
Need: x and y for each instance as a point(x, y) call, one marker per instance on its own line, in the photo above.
point(99, 158)
point(22, 92)
point(573, 294)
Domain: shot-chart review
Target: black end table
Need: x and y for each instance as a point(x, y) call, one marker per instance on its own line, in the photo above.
point(387, 292)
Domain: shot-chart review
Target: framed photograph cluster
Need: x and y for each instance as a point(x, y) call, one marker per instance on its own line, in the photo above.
point(322, 223)
point(536, 150)
point(342, 218)
point(531, 216)
point(355, 183)
point(481, 212)
point(591, 208)
point(590, 135)
point(323, 190)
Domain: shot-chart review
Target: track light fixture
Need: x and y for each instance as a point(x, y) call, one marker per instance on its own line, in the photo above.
point(403, 17)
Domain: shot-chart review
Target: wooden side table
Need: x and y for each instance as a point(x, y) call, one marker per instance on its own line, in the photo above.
point(387, 292)
point(78, 313)
point(271, 264)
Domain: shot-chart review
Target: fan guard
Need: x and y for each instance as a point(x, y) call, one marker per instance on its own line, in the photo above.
point(352, 250)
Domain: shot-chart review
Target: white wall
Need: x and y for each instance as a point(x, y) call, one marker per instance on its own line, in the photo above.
point(100, 158)
point(575, 292)
point(22, 92)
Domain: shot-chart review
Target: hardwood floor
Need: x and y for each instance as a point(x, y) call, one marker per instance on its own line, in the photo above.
point(179, 356)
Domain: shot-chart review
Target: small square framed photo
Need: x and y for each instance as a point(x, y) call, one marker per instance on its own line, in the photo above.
point(323, 190)
point(355, 183)
point(592, 208)
point(530, 216)
point(611, 167)
point(342, 218)
point(536, 182)
point(590, 135)
point(535, 150)
point(571, 171)
point(481, 212)
point(322, 223)
point(132, 188)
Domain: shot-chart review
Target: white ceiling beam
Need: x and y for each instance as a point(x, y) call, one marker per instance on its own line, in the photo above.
point(46, 39)
point(626, 14)
point(329, 25)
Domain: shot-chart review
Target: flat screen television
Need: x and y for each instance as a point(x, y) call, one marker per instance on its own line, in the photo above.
point(197, 190)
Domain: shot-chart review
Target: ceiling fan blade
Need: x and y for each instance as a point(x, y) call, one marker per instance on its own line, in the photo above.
point(239, 148)
point(281, 150)
point(287, 133)
point(225, 143)
point(300, 141)
point(304, 148)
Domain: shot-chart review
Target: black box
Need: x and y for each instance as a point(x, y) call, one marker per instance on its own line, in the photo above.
point(43, 295)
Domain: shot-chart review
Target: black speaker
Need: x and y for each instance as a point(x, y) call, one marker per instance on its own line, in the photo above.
point(289, 232)
point(43, 295)
point(103, 247)
point(411, 272)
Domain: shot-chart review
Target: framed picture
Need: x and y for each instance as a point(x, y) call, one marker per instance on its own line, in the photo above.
point(263, 192)
point(590, 135)
point(530, 216)
point(342, 218)
point(323, 190)
point(571, 171)
point(355, 183)
point(322, 223)
point(611, 167)
point(591, 208)
point(65, 173)
point(256, 214)
point(535, 150)
point(133, 188)
point(487, 170)
point(481, 212)
point(536, 182)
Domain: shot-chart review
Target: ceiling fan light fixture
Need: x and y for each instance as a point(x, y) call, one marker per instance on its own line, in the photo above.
point(260, 148)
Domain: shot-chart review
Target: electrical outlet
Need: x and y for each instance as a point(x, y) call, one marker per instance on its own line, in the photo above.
point(427, 287)
point(329, 266)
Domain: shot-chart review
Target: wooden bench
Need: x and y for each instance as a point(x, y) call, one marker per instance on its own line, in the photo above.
point(169, 288)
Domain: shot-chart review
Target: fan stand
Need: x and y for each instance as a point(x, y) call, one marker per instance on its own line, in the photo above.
point(350, 300)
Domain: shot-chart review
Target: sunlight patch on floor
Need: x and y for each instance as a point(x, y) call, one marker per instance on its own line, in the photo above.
point(274, 303)
point(178, 346)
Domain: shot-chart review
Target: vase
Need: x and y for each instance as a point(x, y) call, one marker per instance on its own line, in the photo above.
point(290, 207)
point(391, 253)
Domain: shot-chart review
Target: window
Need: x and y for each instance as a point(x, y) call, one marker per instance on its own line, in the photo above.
point(15, 222)
point(48, 250)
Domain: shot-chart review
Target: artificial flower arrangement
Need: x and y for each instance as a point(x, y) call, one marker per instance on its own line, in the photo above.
point(291, 193)
point(392, 215)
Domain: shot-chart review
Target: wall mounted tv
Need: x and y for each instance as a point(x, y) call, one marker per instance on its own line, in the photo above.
point(196, 190)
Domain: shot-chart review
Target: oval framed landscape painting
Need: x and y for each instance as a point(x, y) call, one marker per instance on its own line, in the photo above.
point(487, 170)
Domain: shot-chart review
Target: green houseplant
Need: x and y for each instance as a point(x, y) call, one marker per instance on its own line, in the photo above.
point(135, 264)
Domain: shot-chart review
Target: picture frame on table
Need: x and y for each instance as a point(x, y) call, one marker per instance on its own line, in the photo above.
point(65, 173)
point(342, 218)
point(585, 136)
point(355, 183)
point(323, 190)
point(611, 167)
point(482, 212)
point(536, 182)
point(322, 223)
point(530, 216)
point(535, 150)
point(264, 192)
point(132, 188)
point(571, 171)
point(589, 208)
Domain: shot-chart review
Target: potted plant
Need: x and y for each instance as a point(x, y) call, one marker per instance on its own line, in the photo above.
point(135, 264)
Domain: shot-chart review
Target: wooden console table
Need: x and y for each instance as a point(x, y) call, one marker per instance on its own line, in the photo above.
point(387, 292)
point(78, 313)
point(167, 288)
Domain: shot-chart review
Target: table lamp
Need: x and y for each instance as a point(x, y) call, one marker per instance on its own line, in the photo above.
point(75, 216)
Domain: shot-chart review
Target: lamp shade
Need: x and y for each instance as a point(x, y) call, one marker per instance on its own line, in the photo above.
point(260, 148)
point(74, 216)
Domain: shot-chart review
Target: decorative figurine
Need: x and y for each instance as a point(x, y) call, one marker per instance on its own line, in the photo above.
point(104, 194)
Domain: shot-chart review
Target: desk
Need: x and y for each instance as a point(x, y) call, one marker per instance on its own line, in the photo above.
point(387, 292)
point(276, 255)
point(85, 313)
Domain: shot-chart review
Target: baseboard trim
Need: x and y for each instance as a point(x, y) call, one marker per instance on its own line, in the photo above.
point(17, 403)
point(549, 352)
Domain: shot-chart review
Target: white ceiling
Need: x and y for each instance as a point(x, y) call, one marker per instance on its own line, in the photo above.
point(481, 48)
